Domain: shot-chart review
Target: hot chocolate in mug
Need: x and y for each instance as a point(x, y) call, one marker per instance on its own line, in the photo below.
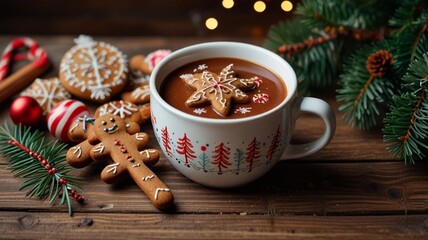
point(232, 152)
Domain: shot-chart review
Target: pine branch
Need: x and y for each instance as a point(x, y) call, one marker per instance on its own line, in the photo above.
point(349, 14)
point(312, 53)
point(366, 94)
point(41, 163)
point(406, 126)
point(409, 14)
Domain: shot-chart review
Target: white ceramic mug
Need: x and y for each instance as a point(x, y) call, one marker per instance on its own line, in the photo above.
point(233, 152)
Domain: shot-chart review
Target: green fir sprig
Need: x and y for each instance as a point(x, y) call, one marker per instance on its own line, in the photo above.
point(406, 125)
point(41, 163)
point(365, 93)
point(324, 33)
point(312, 53)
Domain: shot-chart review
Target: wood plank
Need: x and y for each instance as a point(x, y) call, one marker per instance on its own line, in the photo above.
point(23, 225)
point(290, 188)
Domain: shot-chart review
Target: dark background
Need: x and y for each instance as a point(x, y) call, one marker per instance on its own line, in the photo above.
point(137, 18)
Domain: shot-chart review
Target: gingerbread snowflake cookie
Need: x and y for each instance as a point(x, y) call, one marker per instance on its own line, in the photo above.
point(94, 71)
point(47, 92)
point(219, 90)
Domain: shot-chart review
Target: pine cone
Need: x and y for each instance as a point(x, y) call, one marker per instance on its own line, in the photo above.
point(379, 63)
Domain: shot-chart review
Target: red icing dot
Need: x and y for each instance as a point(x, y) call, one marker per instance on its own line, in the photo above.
point(203, 148)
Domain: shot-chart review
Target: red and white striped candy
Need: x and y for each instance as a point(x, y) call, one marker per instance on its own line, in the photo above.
point(63, 115)
point(155, 57)
point(35, 53)
point(260, 98)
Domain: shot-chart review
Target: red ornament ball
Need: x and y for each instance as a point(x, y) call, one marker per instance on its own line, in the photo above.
point(26, 111)
point(63, 115)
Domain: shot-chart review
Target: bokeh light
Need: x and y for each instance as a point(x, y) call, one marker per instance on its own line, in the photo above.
point(286, 6)
point(259, 6)
point(211, 23)
point(228, 3)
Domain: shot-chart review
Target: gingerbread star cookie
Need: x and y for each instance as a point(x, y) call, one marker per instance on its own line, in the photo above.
point(219, 90)
point(94, 71)
point(47, 92)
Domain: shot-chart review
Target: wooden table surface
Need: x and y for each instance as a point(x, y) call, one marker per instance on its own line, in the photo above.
point(352, 189)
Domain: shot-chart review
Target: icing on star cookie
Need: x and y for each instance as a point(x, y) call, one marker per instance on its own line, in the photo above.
point(219, 90)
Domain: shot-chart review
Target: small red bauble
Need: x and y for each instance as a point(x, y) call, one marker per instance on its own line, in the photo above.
point(63, 115)
point(26, 111)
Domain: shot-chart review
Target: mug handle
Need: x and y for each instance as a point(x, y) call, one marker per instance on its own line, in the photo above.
point(321, 109)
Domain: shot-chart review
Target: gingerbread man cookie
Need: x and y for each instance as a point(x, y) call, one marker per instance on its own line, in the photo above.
point(47, 92)
point(128, 157)
point(94, 71)
point(78, 156)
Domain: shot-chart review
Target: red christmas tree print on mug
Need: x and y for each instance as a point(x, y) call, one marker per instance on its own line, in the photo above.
point(253, 154)
point(165, 141)
point(273, 146)
point(221, 157)
point(185, 148)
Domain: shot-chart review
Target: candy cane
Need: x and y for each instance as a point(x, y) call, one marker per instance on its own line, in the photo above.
point(25, 75)
point(261, 98)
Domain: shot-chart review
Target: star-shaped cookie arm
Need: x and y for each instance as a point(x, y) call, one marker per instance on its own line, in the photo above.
point(199, 97)
point(222, 106)
point(247, 84)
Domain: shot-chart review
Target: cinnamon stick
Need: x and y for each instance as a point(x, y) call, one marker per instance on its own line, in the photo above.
point(21, 78)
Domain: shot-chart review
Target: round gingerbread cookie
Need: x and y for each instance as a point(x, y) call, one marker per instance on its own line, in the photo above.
point(94, 71)
point(47, 92)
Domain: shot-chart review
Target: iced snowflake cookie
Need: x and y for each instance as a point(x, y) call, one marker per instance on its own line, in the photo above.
point(129, 157)
point(47, 92)
point(94, 71)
